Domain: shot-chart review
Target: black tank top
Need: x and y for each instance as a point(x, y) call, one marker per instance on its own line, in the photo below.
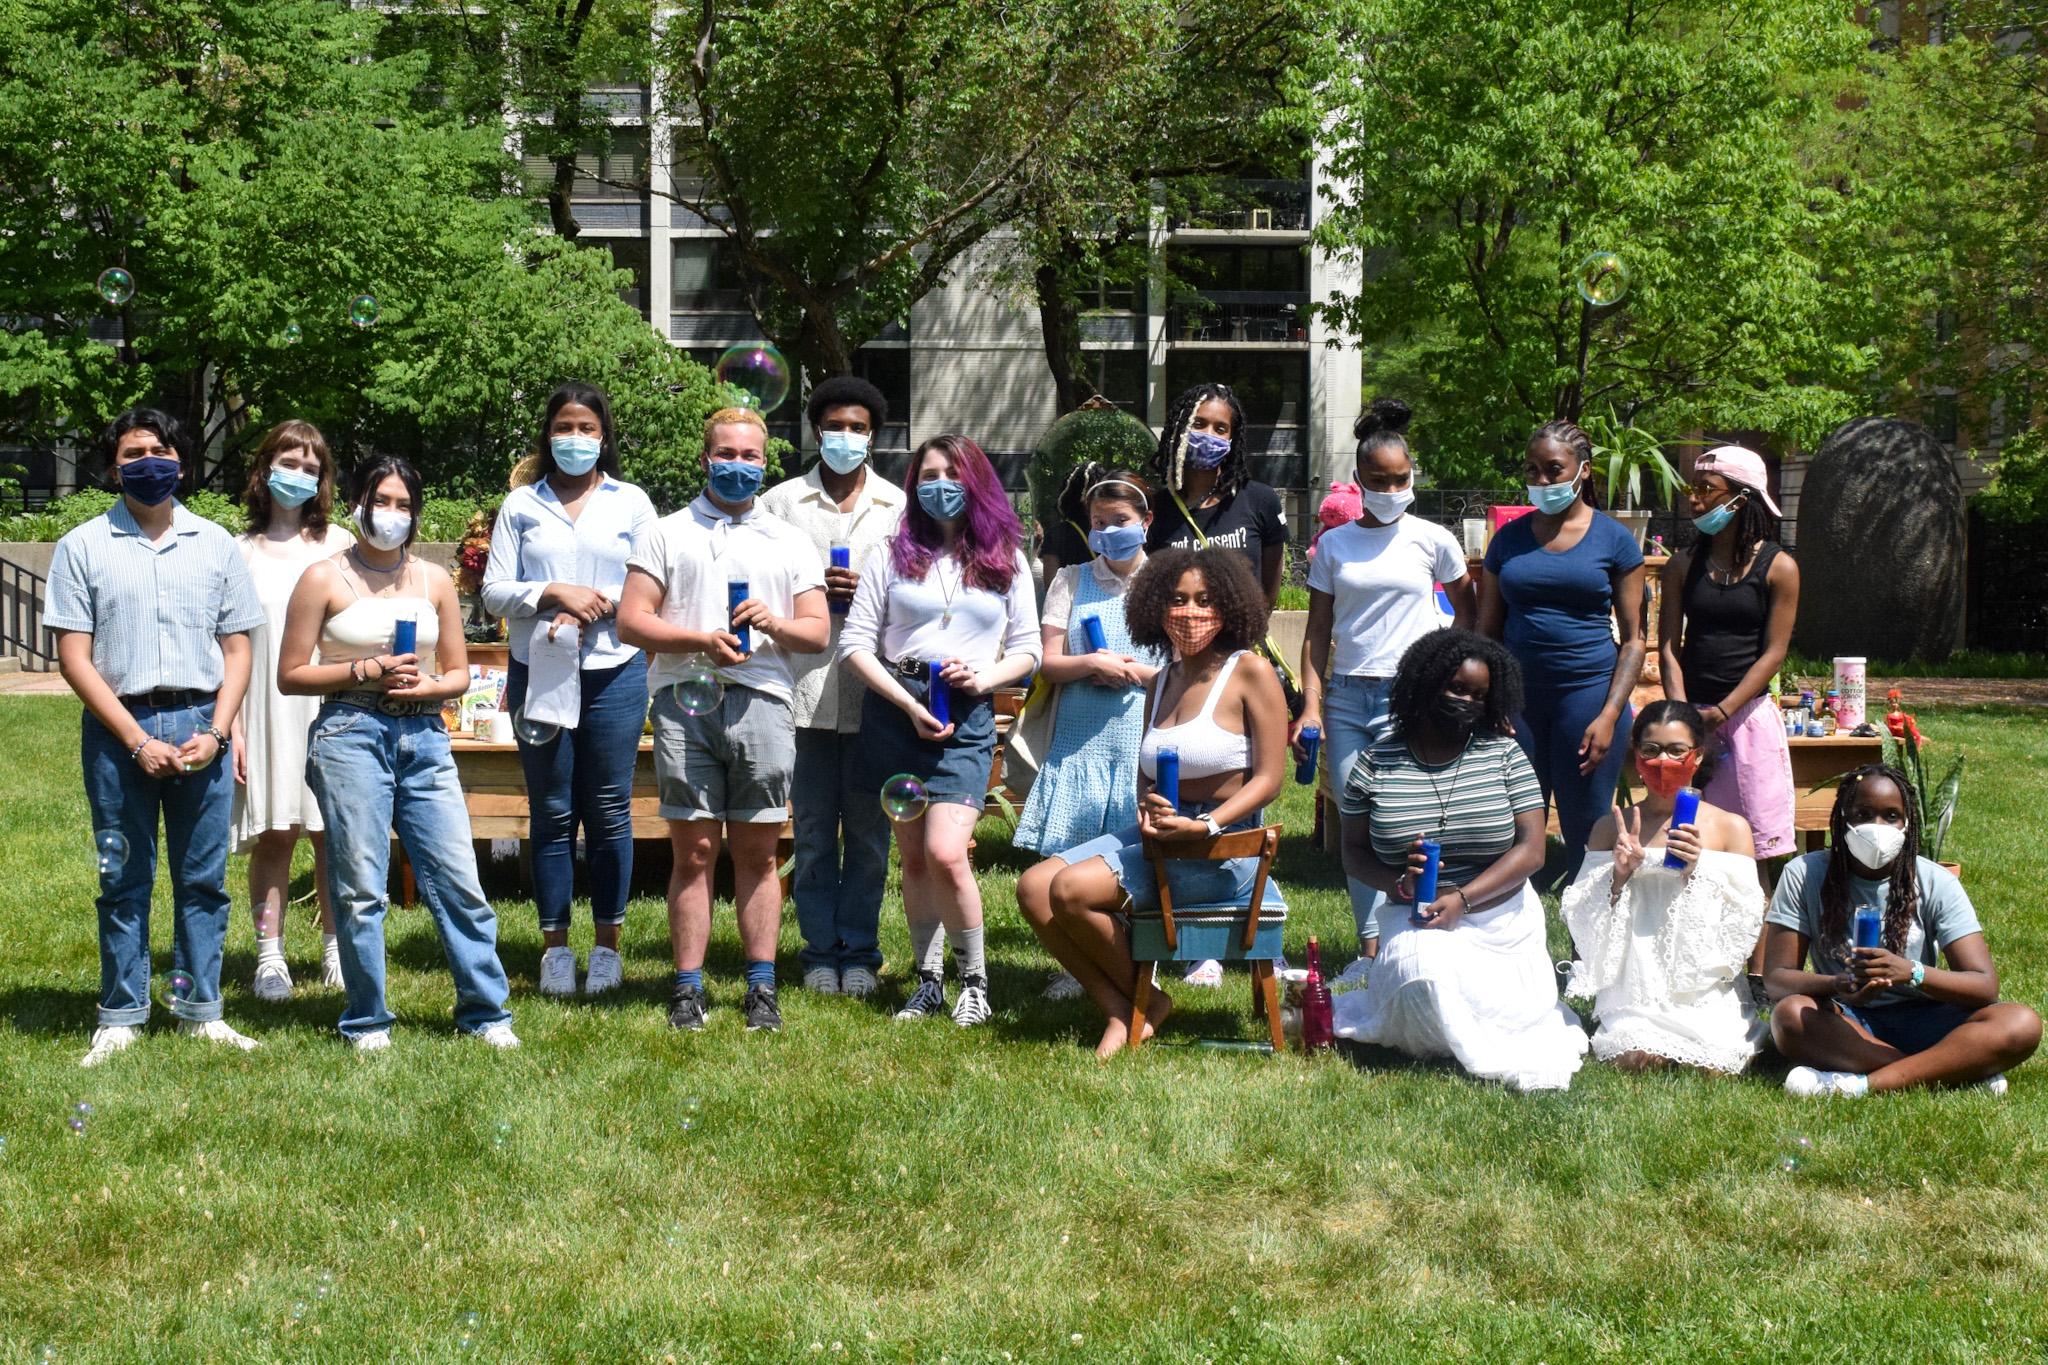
point(1724, 625)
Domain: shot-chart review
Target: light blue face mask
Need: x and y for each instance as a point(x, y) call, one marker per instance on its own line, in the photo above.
point(290, 488)
point(1716, 521)
point(575, 455)
point(1554, 498)
point(944, 499)
point(843, 451)
point(1117, 543)
point(735, 481)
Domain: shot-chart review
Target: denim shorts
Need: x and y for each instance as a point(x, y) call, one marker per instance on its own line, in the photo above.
point(1196, 884)
point(953, 770)
point(732, 763)
point(1909, 1025)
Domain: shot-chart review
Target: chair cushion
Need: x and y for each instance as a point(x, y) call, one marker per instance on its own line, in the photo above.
point(1219, 936)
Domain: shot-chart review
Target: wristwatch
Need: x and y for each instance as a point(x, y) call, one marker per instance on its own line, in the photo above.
point(1214, 828)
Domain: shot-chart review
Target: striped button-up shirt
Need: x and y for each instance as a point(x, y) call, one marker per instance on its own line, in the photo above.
point(155, 610)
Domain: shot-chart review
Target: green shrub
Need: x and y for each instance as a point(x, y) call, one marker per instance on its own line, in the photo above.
point(1108, 435)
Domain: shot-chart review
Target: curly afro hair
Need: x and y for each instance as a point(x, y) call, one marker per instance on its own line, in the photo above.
point(1233, 590)
point(1428, 666)
point(848, 390)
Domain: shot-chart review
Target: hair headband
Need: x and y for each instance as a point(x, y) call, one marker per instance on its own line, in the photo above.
point(1089, 496)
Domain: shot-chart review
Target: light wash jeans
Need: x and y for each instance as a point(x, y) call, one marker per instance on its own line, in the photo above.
point(1354, 719)
point(196, 810)
point(838, 893)
point(373, 773)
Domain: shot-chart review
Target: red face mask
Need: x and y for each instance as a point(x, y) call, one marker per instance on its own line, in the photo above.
point(1666, 776)
point(1193, 628)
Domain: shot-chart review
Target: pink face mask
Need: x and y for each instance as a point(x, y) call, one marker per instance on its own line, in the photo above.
point(1668, 776)
point(1193, 629)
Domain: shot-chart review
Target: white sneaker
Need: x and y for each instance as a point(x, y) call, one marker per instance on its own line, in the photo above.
point(1063, 986)
point(606, 971)
point(330, 965)
point(380, 1041)
point(217, 1031)
point(1208, 973)
point(108, 1040)
point(500, 1034)
point(822, 980)
point(971, 1007)
point(1352, 977)
point(858, 982)
point(558, 971)
point(1995, 1084)
point(1810, 1083)
point(273, 980)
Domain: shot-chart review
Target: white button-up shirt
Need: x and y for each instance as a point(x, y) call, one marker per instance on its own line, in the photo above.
point(826, 696)
point(535, 543)
point(696, 552)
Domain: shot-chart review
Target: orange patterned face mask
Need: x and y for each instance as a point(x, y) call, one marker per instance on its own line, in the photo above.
point(1668, 776)
point(1193, 629)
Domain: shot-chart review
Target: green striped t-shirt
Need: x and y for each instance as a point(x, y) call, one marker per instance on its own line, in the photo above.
point(1468, 804)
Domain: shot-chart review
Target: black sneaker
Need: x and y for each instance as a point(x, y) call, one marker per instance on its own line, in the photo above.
point(760, 1009)
point(927, 1000)
point(686, 1008)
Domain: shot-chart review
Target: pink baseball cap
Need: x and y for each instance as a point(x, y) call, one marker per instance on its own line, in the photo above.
point(1739, 466)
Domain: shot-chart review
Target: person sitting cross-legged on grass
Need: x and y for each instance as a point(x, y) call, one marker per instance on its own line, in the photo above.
point(1893, 1016)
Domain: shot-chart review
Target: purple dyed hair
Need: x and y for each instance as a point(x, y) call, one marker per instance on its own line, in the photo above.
point(990, 535)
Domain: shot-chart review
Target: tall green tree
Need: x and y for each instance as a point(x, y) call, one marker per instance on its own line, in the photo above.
point(1482, 151)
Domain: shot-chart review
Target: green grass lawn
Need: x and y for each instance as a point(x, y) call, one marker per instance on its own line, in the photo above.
point(860, 1189)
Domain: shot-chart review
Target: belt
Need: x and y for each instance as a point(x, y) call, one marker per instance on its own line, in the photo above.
point(167, 696)
point(911, 668)
point(390, 706)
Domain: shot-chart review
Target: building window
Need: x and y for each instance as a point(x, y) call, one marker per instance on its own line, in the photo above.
point(888, 369)
point(704, 279)
point(631, 254)
point(1271, 386)
point(610, 169)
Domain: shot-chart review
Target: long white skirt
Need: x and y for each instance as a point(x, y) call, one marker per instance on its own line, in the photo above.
point(1482, 993)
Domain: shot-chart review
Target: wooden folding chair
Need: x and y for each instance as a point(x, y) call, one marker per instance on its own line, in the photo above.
point(1227, 933)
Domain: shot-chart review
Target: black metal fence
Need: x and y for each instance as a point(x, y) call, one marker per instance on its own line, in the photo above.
point(2008, 587)
point(22, 633)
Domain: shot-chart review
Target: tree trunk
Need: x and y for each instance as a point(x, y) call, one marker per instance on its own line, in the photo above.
point(560, 196)
point(1059, 322)
point(819, 347)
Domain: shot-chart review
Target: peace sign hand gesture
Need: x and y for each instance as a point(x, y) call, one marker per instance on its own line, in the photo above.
point(1628, 844)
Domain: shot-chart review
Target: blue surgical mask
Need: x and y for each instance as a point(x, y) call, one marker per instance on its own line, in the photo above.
point(575, 455)
point(290, 488)
point(1117, 543)
point(1553, 498)
point(1715, 521)
point(1206, 449)
point(150, 479)
point(735, 481)
point(844, 451)
point(944, 499)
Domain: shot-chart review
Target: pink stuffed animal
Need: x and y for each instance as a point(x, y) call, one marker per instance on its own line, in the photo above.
point(1340, 504)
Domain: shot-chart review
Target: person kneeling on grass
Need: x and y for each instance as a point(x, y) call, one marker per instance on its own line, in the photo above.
point(1889, 1017)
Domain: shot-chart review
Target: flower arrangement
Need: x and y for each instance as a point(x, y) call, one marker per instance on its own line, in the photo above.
point(471, 556)
point(1903, 749)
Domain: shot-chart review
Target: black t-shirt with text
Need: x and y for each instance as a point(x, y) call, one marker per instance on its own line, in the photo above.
point(1249, 522)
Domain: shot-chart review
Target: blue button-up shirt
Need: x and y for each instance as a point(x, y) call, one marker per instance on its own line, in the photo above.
point(535, 543)
point(155, 610)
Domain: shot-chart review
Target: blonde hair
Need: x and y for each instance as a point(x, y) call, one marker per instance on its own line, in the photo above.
point(733, 417)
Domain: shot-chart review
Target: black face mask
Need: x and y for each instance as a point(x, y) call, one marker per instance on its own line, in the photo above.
point(1456, 714)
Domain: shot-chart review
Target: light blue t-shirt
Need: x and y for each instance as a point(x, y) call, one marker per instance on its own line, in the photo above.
point(1945, 915)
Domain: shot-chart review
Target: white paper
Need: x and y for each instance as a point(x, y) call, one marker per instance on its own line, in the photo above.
point(554, 674)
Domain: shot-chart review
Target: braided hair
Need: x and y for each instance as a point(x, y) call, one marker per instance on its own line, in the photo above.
point(1902, 898)
point(1170, 460)
point(1570, 436)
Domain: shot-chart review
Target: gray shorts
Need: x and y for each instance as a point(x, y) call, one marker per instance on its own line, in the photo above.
point(731, 764)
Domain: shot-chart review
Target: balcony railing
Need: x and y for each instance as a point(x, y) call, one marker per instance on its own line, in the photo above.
point(1251, 205)
point(1239, 315)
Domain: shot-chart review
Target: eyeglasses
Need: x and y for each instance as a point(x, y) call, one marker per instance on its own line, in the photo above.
point(1708, 490)
point(1677, 751)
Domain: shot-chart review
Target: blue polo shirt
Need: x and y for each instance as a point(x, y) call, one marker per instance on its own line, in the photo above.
point(155, 611)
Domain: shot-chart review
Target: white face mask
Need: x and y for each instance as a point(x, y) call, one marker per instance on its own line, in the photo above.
point(384, 527)
point(1875, 845)
point(1387, 507)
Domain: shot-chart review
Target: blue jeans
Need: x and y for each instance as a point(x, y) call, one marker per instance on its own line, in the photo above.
point(1354, 719)
point(373, 773)
point(585, 775)
point(196, 809)
point(1552, 723)
point(838, 894)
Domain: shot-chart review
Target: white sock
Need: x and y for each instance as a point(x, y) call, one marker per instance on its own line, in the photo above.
point(927, 948)
point(269, 949)
point(967, 953)
point(330, 946)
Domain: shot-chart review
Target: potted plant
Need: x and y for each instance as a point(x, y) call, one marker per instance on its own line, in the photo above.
point(1623, 455)
point(1936, 802)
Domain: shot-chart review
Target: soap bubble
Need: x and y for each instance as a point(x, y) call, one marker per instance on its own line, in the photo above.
point(76, 1125)
point(293, 334)
point(534, 733)
point(466, 1327)
point(759, 370)
point(904, 798)
point(362, 310)
point(299, 1311)
point(115, 285)
point(46, 1352)
point(692, 1107)
point(1789, 1165)
point(83, 1109)
point(266, 923)
point(177, 989)
point(113, 851)
point(323, 1285)
point(499, 1137)
point(1602, 279)
point(698, 692)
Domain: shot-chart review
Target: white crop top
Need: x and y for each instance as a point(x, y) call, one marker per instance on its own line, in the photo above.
point(1206, 748)
point(363, 628)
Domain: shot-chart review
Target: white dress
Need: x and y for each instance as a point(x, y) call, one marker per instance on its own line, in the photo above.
point(1664, 964)
point(274, 726)
point(1483, 993)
